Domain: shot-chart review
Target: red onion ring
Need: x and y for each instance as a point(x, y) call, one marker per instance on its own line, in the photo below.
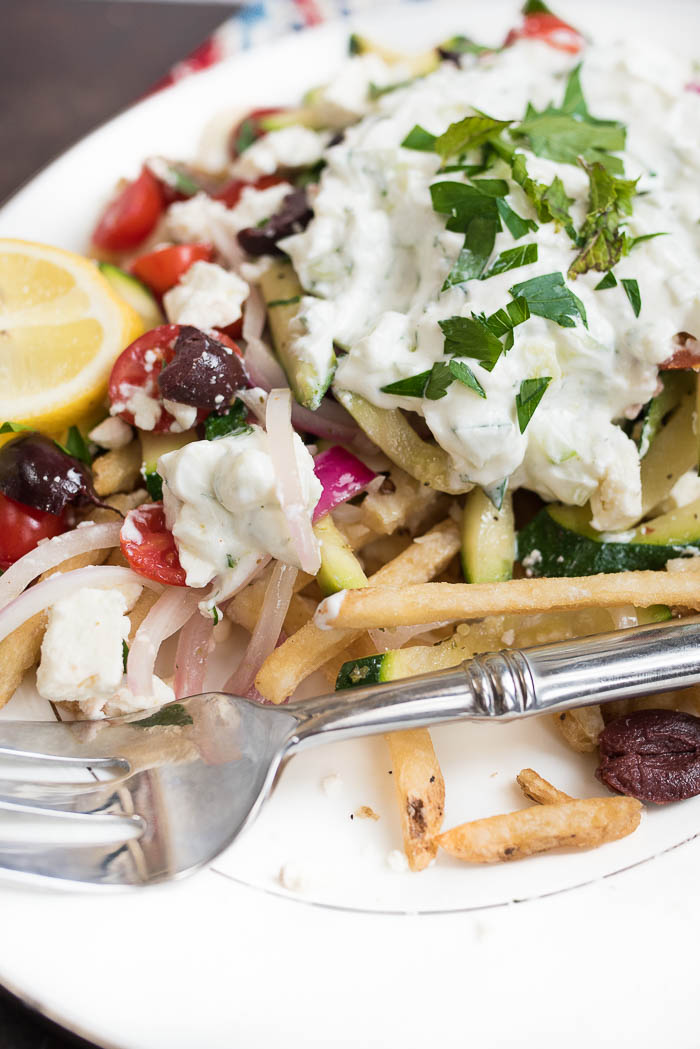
point(170, 612)
point(268, 628)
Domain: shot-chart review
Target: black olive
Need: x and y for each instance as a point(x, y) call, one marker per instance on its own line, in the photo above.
point(293, 217)
point(36, 472)
point(203, 373)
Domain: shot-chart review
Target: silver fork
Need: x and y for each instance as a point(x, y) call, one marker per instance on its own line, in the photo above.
point(156, 795)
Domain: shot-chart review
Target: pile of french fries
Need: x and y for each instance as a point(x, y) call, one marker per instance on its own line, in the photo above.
point(407, 537)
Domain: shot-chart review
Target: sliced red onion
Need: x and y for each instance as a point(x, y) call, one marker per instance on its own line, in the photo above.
point(284, 462)
point(397, 637)
point(51, 590)
point(342, 475)
point(274, 609)
point(193, 647)
point(255, 401)
point(54, 552)
point(170, 612)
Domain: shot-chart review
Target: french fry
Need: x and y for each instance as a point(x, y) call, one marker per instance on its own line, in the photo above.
point(385, 604)
point(118, 470)
point(581, 727)
point(539, 790)
point(308, 649)
point(420, 791)
point(583, 824)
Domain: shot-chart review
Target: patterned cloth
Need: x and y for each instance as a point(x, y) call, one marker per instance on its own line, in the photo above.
point(257, 22)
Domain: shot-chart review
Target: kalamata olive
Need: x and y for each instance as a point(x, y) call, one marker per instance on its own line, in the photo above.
point(203, 373)
point(36, 472)
point(293, 217)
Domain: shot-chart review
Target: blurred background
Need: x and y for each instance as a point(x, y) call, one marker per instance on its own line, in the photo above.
point(67, 65)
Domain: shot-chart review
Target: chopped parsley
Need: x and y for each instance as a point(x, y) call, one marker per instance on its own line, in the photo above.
point(468, 133)
point(530, 395)
point(420, 139)
point(633, 294)
point(548, 296)
point(601, 238)
point(231, 423)
point(523, 255)
point(478, 246)
point(76, 445)
point(154, 484)
point(517, 225)
point(231, 561)
point(125, 654)
point(608, 281)
point(551, 203)
point(15, 428)
point(480, 337)
point(245, 137)
point(434, 383)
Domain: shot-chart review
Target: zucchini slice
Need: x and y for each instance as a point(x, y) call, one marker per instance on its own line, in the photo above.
point(675, 384)
point(134, 292)
point(488, 539)
point(673, 451)
point(282, 293)
point(559, 541)
point(340, 569)
point(392, 432)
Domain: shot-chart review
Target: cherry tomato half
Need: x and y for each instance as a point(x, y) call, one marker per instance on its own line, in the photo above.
point(162, 269)
point(22, 527)
point(250, 129)
point(149, 547)
point(231, 193)
point(140, 364)
point(131, 215)
point(543, 25)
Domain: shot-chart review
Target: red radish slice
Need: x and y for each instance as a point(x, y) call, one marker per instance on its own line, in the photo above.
point(284, 462)
point(54, 552)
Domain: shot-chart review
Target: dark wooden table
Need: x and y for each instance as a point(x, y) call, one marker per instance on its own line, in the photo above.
point(65, 66)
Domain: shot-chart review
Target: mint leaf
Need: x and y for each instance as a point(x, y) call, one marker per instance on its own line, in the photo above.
point(76, 445)
point(231, 423)
point(463, 373)
point(608, 281)
point(511, 259)
point(468, 133)
point(632, 292)
point(420, 139)
point(517, 225)
point(472, 259)
point(413, 386)
point(469, 337)
point(530, 395)
point(548, 296)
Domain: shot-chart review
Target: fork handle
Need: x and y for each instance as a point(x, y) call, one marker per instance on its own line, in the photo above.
point(506, 685)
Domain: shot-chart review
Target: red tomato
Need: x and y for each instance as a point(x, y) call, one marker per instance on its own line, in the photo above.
point(543, 25)
point(232, 191)
point(22, 527)
point(149, 547)
point(250, 129)
point(162, 269)
point(130, 217)
point(140, 364)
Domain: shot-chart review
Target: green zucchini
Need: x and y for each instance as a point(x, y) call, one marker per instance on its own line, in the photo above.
point(392, 432)
point(282, 292)
point(672, 453)
point(488, 539)
point(153, 445)
point(560, 541)
point(340, 569)
point(136, 294)
point(675, 384)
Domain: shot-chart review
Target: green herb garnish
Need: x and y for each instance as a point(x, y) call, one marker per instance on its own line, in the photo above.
point(601, 239)
point(231, 423)
point(420, 139)
point(76, 445)
point(608, 281)
point(125, 654)
point(284, 302)
point(633, 294)
point(468, 133)
point(523, 255)
point(530, 395)
point(434, 383)
point(154, 484)
point(173, 714)
point(548, 296)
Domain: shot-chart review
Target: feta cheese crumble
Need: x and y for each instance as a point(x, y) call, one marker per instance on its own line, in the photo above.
point(206, 296)
point(290, 147)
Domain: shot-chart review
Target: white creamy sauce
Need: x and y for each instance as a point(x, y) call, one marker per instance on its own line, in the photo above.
point(376, 254)
point(222, 504)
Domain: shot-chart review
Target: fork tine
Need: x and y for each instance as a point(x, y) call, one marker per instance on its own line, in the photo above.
point(48, 779)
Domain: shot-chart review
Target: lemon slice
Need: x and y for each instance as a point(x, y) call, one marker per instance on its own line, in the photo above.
point(61, 329)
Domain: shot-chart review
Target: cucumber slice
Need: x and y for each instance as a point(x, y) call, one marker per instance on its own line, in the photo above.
point(340, 569)
point(392, 432)
point(675, 384)
point(672, 453)
point(282, 292)
point(488, 539)
point(561, 542)
point(153, 445)
point(134, 292)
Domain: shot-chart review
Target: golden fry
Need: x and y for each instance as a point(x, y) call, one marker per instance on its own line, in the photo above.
point(539, 790)
point(583, 824)
point(384, 604)
point(420, 790)
point(581, 727)
point(308, 649)
point(118, 470)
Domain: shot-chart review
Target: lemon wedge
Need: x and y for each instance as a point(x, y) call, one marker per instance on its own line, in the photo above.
point(61, 329)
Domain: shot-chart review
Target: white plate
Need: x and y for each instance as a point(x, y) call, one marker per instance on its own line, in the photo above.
point(362, 955)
